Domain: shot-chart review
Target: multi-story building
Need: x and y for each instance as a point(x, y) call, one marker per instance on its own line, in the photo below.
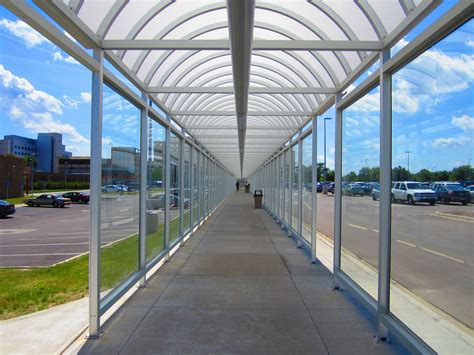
point(74, 165)
point(46, 149)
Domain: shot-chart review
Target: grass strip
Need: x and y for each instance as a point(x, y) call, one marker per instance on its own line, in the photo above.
point(24, 291)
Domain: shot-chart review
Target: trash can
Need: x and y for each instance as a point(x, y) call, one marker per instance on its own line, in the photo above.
point(258, 196)
point(247, 188)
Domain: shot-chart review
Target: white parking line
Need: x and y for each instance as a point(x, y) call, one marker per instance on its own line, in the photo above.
point(40, 245)
point(124, 221)
point(58, 238)
point(15, 231)
point(39, 254)
point(124, 209)
point(406, 243)
point(443, 255)
point(356, 226)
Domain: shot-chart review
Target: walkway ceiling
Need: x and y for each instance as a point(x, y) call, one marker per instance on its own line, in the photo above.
point(300, 54)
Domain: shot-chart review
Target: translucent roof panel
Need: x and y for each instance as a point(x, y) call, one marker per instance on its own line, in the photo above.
point(180, 52)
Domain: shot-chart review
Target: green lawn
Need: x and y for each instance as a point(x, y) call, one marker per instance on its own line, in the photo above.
point(24, 291)
point(17, 200)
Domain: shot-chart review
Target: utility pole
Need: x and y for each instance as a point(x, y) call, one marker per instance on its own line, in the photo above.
point(408, 152)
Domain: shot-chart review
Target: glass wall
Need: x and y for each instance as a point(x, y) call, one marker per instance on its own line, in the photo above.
point(294, 186)
point(360, 176)
point(175, 193)
point(155, 197)
point(307, 186)
point(195, 192)
point(187, 196)
point(281, 186)
point(432, 150)
point(287, 186)
point(119, 221)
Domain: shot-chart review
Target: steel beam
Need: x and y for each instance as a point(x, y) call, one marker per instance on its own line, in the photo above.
point(337, 194)
point(241, 15)
point(143, 190)
point(249, 128)
point(238, 16)
point(230, 90)
point(96, 188)
point(249, 113)
point(314, 190)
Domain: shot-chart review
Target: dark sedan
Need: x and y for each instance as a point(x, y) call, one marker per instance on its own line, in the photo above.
point(452, 193)
point(48, 200)
point(77, 197)
point(6, 208)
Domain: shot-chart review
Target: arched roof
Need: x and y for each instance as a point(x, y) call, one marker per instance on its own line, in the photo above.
point(303, 51)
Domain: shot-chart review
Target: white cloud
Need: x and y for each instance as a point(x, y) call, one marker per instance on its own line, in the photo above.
point(34, 109)
point(465, 122)
point(450, 142)
point(23, 31)
point(27, 95)
point(58, 57)
point(372, 144)
point(469, 43)
point(86, 97)
point(44, 122)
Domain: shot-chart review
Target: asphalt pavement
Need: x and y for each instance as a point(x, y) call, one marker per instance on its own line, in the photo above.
point(432, 247)
point(43, 236)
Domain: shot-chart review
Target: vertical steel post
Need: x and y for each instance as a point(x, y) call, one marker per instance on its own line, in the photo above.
point(290, 186)
point(143, 188)
point(167, 187)
point(300, 191)
point(95, 191)
point(337, 193)
point(279, 189)
point(385, 213)
point(181, 188)
point(191, 188)
point(198, 202)
point(314, 190)
point(284, 193)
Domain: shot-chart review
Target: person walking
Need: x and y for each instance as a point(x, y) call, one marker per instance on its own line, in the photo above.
point(237, 185)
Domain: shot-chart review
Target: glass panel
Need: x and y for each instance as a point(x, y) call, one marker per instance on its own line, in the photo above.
point(155, 204)
point(307, 186)
point(281, 179)
point(360, 174)
point(187, 187)
point(195, 200)
point(295, 196)
point(287, 186)
point(120, 190)
point(432, 219)
point(175, 193)
point(201, 186)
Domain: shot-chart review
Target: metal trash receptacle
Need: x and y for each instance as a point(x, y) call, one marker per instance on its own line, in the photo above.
point(247, 188)
point(257, 197)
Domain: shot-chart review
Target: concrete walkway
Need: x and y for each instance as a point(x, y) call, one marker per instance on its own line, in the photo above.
point(240, 286)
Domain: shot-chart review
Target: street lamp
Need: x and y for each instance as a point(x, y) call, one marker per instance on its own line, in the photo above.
point(408, 152)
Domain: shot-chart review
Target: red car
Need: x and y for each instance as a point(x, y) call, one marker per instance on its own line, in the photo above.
point(77, 197)
point(6, 208)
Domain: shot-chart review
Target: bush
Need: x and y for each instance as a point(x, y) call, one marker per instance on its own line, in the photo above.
point(60, 185)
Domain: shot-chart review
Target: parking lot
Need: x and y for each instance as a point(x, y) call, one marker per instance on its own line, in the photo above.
point(431, 246)
point(43, 236)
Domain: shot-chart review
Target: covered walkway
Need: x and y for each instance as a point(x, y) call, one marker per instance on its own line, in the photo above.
point(240, 285)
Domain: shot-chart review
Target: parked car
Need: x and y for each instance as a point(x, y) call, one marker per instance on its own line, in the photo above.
point(111, 188)
point(48, 200)
point(448, 193)
point(375, 193)
point(77, 197)
point(471, 191)
point(6, 208)
point(412, 192)
point(353, 190)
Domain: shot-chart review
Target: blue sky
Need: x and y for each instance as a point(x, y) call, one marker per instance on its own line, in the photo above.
point(43, 89)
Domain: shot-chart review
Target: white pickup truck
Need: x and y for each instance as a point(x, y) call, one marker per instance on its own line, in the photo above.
point(412, 192)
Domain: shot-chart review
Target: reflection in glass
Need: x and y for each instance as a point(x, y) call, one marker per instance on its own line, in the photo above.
point(155, 197)
point(195, 207)
point(287, 186)
point(360, 174)
point(120, 189)
point(307, 186)
point(175, 193)
point(294, 187)
point(187, 187)
point(432, 145)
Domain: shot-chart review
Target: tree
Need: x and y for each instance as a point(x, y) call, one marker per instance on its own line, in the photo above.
point(461, 173)
point(424, 175)
point(352, 176)
point(399, 173)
